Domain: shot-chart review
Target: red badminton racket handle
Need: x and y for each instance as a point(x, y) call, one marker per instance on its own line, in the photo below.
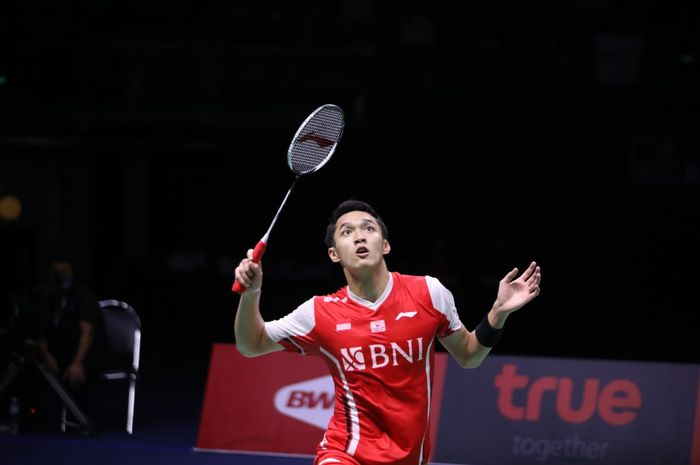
point(258, 252)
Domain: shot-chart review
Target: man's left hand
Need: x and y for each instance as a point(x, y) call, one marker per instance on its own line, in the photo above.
point(75, 375)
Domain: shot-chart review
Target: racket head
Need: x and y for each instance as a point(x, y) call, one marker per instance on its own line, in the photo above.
point(316, 139)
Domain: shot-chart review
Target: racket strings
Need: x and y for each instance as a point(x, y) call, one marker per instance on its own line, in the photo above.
point(316, 140)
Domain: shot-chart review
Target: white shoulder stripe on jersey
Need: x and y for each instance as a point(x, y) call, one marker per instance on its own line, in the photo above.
point(443, 301)
point(298, 323)
point(352, 407)
point(430, 393)
point(330, 460)
point(301, 349)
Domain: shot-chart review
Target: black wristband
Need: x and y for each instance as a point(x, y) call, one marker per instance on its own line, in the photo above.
point(486, 334)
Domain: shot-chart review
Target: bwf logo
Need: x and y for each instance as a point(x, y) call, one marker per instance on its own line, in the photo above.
point(382, 355)
point(310, 401)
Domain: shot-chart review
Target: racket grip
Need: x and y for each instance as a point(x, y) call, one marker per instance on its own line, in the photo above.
point(258, 252)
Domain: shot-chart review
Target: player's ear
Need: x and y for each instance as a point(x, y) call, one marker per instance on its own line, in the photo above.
point(386, 248)
point(333, 255)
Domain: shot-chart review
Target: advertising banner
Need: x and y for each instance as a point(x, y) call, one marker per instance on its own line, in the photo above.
point(530, 410)
point(277, 403)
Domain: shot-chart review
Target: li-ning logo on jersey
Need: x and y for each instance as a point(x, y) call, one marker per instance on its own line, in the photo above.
point(381, 355)
point(405, 314)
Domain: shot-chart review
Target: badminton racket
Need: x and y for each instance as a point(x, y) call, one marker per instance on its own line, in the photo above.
point(312, 146)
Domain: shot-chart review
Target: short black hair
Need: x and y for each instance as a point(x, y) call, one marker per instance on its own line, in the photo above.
point(351, 206)
point(60, 256)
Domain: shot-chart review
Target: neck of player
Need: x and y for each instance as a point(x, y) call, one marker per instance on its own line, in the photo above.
point(368, 283)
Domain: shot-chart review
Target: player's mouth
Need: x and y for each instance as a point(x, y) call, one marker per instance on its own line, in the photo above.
point(362, 252)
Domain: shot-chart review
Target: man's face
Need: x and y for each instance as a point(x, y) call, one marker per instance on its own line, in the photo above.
point(358, 241)
point(62, 274)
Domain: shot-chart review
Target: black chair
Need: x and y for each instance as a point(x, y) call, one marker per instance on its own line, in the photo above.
point(121, 331)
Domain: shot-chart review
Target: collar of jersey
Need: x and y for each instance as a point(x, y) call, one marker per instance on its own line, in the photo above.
point(374, 305)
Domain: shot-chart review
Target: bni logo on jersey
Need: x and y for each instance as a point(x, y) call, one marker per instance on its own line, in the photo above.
point(309, 401)
point(353, 358)
point(382, 355)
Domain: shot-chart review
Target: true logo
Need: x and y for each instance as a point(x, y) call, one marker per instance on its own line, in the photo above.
point(616, 402)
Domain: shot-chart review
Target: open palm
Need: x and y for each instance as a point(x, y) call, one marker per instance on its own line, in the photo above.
point(514, 292)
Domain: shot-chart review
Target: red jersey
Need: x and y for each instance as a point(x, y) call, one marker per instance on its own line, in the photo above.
point(381, 357)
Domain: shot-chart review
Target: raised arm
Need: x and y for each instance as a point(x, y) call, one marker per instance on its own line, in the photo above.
point(249, 326)
point(470, 348)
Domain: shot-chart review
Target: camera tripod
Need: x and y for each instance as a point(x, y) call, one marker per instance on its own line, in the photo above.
point(19, 361)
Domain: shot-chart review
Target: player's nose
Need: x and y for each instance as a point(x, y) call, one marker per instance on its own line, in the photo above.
point(359, 238)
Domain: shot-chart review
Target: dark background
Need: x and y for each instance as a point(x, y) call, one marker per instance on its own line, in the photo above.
point(148, 139)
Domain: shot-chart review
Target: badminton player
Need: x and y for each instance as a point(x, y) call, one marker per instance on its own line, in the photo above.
point(377, 336)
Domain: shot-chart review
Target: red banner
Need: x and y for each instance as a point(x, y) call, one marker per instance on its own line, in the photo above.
point(278, 403)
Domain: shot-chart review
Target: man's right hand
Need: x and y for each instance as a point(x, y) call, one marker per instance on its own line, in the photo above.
point(249, 274)
point(50, 362)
